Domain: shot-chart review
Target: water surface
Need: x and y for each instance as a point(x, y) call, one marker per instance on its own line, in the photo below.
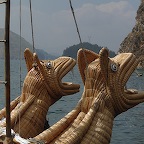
point(128, 127)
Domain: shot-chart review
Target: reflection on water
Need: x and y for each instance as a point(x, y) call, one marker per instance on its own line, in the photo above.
point(128, 127)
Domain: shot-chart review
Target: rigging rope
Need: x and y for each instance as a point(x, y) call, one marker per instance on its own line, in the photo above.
point(85, 58)
point(72, 10)
point(20, 54)
point(32, 25)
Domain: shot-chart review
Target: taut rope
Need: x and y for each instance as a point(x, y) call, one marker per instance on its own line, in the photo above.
point(72, 10)
point(32, 25)
point(20, 52)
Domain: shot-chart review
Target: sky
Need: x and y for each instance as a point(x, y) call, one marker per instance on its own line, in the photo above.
point(102, 22)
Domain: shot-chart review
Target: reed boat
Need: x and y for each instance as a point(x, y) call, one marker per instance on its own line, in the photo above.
point(105, 96)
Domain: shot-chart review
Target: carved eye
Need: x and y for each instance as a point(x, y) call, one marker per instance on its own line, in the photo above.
point(114, 67)
point(48, 65)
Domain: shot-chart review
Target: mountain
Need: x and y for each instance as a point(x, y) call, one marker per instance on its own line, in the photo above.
point(15, 47)
point(134, 42)
point(72, 50)
point(15, 51)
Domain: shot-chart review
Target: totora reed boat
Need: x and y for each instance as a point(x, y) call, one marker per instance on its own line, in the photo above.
point(105, 96)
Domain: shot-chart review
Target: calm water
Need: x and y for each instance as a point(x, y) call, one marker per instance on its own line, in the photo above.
point(128, 127)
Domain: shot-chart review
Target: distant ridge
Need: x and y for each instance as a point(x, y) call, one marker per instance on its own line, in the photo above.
point(15, 47)
point(72, 50)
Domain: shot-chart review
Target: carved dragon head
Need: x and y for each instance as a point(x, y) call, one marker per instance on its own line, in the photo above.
point(110, 75)
point(42, 87)
point(52, 72)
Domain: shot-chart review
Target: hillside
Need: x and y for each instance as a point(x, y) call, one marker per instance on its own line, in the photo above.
point(134, 42)
point(72, 50)
point(15, 47)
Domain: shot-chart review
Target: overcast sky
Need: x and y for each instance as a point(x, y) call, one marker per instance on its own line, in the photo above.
point(102, 22)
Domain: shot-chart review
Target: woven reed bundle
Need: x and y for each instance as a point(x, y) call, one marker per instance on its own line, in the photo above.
point(12, 105)
point(42, 87)
point(104, 97)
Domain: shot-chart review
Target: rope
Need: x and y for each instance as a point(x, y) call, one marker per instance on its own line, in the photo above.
point(75, 21)
point(20, 68)
point(72, 10)
point(20, 52)
point(20, 47)
point(32, 25)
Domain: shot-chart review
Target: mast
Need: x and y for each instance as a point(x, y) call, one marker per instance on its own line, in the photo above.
point(7, 69)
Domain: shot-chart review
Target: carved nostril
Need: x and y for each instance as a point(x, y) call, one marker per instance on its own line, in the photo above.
point(114, 67)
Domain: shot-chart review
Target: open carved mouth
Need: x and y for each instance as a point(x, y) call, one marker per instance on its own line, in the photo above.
point(58, 69)
point(134, 83)
point(127, 65)
point(66, 68)
point(116, 73)
point(53, 71)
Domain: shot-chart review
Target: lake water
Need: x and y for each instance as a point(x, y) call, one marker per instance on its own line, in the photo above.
point(128, 127)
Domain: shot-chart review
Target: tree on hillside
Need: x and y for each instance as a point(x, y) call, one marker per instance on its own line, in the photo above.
point(72, 50)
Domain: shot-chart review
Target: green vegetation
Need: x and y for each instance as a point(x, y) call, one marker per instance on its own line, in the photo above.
point(72, 50)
